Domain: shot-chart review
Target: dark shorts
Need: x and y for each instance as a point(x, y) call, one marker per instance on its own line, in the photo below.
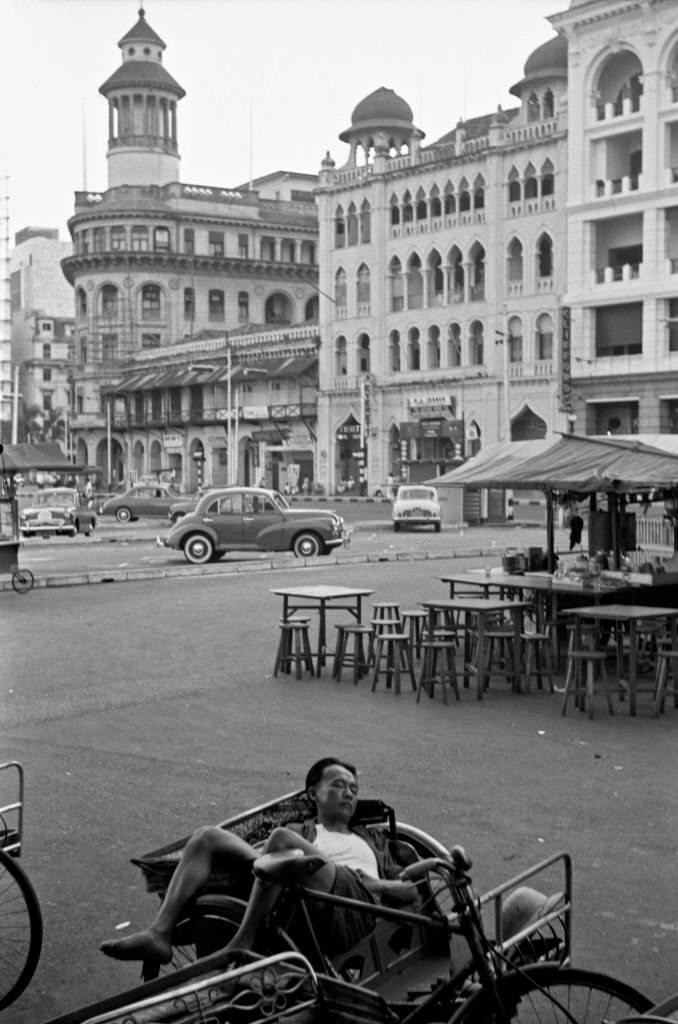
point(340, 928)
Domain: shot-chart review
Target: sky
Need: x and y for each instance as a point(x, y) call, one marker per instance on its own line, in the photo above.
point(269, 84)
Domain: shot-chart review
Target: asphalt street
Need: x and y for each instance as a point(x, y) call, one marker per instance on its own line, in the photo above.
point(142, 709)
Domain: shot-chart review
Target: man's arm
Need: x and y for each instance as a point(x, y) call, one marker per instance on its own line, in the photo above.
point(390, 890)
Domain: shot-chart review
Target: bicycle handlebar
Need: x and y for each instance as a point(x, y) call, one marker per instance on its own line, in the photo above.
point(458, 863)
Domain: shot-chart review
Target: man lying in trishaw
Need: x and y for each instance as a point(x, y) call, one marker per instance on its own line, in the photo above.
point(345, 915)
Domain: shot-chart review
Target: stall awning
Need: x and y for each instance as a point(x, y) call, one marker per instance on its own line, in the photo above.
point(19, 458)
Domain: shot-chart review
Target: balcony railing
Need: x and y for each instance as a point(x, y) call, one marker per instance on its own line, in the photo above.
point(622, 272)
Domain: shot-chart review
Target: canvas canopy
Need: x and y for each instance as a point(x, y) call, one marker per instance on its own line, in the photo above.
point(19, 458)
point(570, 463)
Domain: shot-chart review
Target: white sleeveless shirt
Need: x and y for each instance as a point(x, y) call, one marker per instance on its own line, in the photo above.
point(347, 849)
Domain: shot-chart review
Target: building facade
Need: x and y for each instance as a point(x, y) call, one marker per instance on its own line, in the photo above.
point(42, 336)
point(169, 275)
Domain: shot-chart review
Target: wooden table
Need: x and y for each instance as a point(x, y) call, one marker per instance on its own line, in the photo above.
point(632, 614)
point(320, 597)
point(482, 608)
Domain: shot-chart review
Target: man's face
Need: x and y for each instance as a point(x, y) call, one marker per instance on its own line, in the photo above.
point(335, 795)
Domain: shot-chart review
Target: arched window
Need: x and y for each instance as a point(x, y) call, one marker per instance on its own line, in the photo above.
point(216, 304)
point(543, 342)
point(413, 349)
point(243, 307)
point(533, 112)
point(81, 301)
point(422, 205)
point(394, 351)
point(477, 255)
point(436, 278)
point(151, 299)
point(433, 348)
point(547, 106)
point(476, 342)
point(415, 283)
point(397, 285)
point(435, 204)
point(340, 291)
point(339, 228)
point(514, 189)
point(464, 196)
point(450, 204)
point(531, 183)
point(278, 309)
point(454, 345)
point(395, 211)
point(365, 222)
point(544, 256)
point(456, 269)
point(311, 310)
point(363, 285)
point(408, 212)
point(351, 225)
point(363, 353)
point(479, 193)
point(514, 260)
point(109, 302)
point(515, 340)
point(620, 83)
point(547, 179)
point(340, 367)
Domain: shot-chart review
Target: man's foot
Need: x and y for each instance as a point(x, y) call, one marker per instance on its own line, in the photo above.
point(146, 945)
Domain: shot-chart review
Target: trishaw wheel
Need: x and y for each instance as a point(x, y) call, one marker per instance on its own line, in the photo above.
point(212, 922)
point(20, 930)
point(22, 581)
point(546, 994)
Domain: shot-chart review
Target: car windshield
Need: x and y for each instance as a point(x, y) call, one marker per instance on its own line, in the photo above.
point(54, 500)
point(280, 500)
point(416, 494)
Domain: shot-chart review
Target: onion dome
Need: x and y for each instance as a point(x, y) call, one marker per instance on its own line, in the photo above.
point(548, 61)
point(383, 108)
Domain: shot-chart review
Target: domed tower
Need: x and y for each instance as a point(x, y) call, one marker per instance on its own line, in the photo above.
point(382, 118)
point(545, 80)
point(142, 112)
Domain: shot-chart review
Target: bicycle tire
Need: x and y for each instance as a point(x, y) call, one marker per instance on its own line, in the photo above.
point(20, 930)
point(22, 581)
point(547, 994)
point(209, 925)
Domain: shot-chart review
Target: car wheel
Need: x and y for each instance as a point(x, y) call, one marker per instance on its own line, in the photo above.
point(198, 549)
point(308, 545)
point(396, 527)
point(124, 514)
point(73, 532)
point(436, 527)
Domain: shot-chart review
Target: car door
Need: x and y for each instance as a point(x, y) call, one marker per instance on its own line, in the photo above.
point(160, 501)
point(261, 523)
point(224, 516)
point(140, 500)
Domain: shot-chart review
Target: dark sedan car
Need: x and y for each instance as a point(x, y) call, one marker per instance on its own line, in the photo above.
point(141, 500)
point(253, 519)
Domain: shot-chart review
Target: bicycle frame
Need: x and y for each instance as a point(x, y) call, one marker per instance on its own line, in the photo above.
point(12, 814)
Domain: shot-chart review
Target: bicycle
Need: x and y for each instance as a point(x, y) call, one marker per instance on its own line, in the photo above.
point(20, 916)
point(23, 580)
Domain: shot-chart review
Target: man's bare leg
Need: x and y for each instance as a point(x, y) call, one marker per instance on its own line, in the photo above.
point(193, 870)
point(265, 894)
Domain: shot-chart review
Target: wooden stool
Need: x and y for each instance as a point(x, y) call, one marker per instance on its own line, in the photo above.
point(294, 646)
point(395, 650)
point(414, 622)
point(357, 659)
point(386, 617)
point(587, 661)
point(667, 658)
point(537, 647)
point(442, 649)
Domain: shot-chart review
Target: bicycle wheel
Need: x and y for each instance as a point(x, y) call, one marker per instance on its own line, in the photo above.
point(207, 928)
point(22, 580)
point(546, 994)
point(20, 930)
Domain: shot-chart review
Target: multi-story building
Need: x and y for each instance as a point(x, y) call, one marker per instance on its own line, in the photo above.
point(621, 299)
point(42, 334)
point(445, 263)
point(169, 279)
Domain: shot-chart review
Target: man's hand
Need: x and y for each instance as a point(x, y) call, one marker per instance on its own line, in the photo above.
point(390, 890)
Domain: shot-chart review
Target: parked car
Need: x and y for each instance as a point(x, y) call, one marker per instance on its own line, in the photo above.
point(416, 505)
point(141, 500)
point(253, 519)
point(56, 510)
point(182, 506)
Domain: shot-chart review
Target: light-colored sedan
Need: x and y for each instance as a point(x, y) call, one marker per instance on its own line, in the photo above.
point(416, 505)
point(56, 511)
point(140, 501)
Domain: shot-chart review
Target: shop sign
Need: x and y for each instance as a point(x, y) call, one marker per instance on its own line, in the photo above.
point(432, 404)
point(172, 442)
point(299, 439)
point(348, 430)
point(254, 412)
point(565, 360)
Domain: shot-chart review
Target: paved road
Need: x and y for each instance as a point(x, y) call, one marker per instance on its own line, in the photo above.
point(142, 710)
